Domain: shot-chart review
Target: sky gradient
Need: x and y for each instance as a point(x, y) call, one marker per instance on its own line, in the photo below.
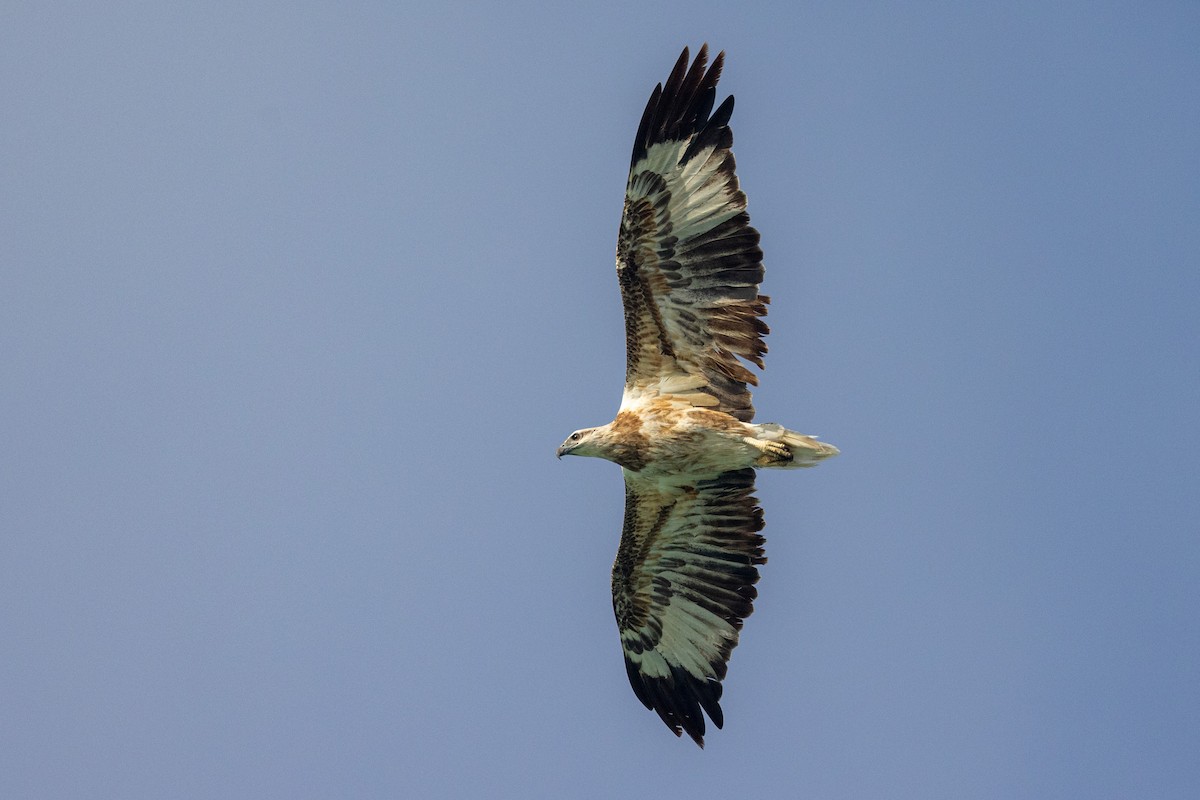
point(297, 300)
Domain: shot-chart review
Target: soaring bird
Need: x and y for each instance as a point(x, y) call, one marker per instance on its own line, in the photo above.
point(689, 268)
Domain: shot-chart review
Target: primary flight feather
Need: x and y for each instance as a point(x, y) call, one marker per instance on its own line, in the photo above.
point(689, 267)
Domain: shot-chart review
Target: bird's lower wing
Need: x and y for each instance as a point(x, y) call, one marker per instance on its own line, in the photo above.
point(683, 581)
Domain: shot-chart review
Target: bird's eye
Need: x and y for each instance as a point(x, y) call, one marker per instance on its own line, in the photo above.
point(575, 437)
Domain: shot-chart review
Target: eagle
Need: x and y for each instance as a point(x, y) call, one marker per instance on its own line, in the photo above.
point(689, 267)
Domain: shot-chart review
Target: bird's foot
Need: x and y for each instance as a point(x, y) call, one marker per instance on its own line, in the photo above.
point(773, 454)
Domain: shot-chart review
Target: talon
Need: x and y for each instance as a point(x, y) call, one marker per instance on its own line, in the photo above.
point(773, 453)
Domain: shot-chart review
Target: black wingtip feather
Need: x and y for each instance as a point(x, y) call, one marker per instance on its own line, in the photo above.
point(715, 132)
point(681, 107)
point(681, 700)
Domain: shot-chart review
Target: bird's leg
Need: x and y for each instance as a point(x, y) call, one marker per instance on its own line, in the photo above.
point(773, 453)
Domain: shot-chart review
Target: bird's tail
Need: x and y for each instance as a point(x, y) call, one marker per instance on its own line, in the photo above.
point(801, 450)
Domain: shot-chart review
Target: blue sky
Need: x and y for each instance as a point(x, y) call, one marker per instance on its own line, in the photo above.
point(297, 300)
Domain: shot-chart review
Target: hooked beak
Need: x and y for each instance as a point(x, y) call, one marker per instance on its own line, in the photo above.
point(561, 451)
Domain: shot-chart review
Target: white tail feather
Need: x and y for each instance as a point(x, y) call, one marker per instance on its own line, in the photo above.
point(805, 450)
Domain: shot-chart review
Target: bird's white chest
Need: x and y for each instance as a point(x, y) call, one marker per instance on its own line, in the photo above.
point(688, 446)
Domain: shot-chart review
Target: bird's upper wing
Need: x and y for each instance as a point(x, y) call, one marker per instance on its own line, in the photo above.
point(682, 583)
point(688, 260)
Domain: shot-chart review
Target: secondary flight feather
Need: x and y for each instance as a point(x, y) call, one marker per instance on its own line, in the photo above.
point(689, 267)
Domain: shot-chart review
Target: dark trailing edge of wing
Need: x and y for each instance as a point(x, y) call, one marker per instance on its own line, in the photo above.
point(681, 108)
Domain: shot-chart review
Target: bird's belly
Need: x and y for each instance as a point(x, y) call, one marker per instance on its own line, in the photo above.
point(696, 452)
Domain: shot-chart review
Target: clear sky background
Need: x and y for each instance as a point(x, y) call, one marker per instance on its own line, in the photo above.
point(298, 299)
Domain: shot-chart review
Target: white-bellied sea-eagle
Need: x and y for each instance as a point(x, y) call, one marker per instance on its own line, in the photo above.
point(689, 267)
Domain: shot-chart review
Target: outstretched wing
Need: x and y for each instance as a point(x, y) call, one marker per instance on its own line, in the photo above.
point(688, 260)
point(683, 581)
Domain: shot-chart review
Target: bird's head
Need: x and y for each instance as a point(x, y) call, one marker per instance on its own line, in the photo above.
point(580, 443)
